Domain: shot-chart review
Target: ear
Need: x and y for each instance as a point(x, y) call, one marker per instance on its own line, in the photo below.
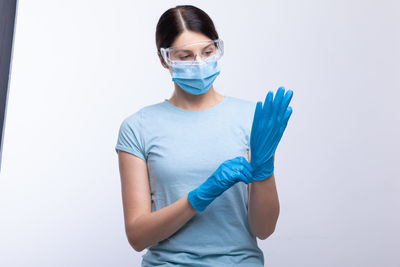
point(162, 60)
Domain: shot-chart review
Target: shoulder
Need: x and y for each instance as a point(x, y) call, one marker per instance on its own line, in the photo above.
point(242, 106)
point(242, 102)
point(142, 115)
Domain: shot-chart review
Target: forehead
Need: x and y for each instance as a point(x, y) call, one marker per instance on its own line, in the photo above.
point(188, 37)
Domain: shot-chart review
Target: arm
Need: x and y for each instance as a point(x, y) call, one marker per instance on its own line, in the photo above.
point(142, 226)
point(263, 208)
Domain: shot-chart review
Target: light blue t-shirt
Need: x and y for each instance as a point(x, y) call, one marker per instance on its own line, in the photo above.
point(182, 149)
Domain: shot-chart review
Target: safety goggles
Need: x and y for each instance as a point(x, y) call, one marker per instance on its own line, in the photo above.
point(194, 53)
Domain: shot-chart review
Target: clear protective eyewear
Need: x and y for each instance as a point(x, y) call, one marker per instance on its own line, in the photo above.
point(184, 55)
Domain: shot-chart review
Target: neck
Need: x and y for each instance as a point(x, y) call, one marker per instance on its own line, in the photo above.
point(185, 100)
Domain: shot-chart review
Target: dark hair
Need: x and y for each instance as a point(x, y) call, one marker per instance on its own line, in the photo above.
point(180, 18)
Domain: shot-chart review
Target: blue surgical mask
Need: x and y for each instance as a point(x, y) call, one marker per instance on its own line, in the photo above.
point(197, 78)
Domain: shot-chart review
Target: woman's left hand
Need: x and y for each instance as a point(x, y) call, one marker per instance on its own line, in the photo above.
point(269, 123)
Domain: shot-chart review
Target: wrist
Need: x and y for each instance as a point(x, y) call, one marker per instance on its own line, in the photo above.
point(198, 201)
point(203, 195)
point(263, 173)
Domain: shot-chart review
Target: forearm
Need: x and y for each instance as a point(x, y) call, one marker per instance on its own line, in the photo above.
point(159, 225)
point(263, 207)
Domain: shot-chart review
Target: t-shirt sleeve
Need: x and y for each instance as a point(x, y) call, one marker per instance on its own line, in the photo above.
point(130, 137)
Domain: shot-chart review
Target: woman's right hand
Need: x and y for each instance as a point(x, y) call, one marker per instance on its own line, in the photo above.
point(228, 173)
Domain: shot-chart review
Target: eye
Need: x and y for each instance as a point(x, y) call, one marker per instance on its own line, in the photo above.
point(209, 52)
point(183, 57)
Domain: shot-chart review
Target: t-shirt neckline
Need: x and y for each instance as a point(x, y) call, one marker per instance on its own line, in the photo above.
point(213, 108)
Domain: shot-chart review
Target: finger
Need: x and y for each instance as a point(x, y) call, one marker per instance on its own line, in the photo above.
point(286, 118)
point(244, 165)
point(239, 160)
point(247, 166)
point(277, 101)
point(268, 107)
point(285, 103)
point(287, 115)
point(247, 173)
point(247, 176)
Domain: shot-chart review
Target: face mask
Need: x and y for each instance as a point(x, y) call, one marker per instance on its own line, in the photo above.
point(195, 79)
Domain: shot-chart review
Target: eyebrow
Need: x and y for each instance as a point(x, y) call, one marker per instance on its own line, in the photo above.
point(186, 50)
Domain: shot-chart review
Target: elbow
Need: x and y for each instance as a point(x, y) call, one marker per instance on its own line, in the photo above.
point(263, 232)
point(264, 236)
point(267, 233)
point(138, 249)
point(135, 244)
point(134, 241)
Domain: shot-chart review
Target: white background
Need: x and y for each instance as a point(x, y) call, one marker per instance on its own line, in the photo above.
point(80, 67)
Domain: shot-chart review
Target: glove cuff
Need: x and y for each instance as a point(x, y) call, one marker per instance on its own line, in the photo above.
point(263, 174)
point(198, 203)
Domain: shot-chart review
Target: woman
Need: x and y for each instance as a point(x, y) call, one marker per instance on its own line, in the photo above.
point(189, 193)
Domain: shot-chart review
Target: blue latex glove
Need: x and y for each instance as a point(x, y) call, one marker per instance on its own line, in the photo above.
point(228, 173)
point(269, 123)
